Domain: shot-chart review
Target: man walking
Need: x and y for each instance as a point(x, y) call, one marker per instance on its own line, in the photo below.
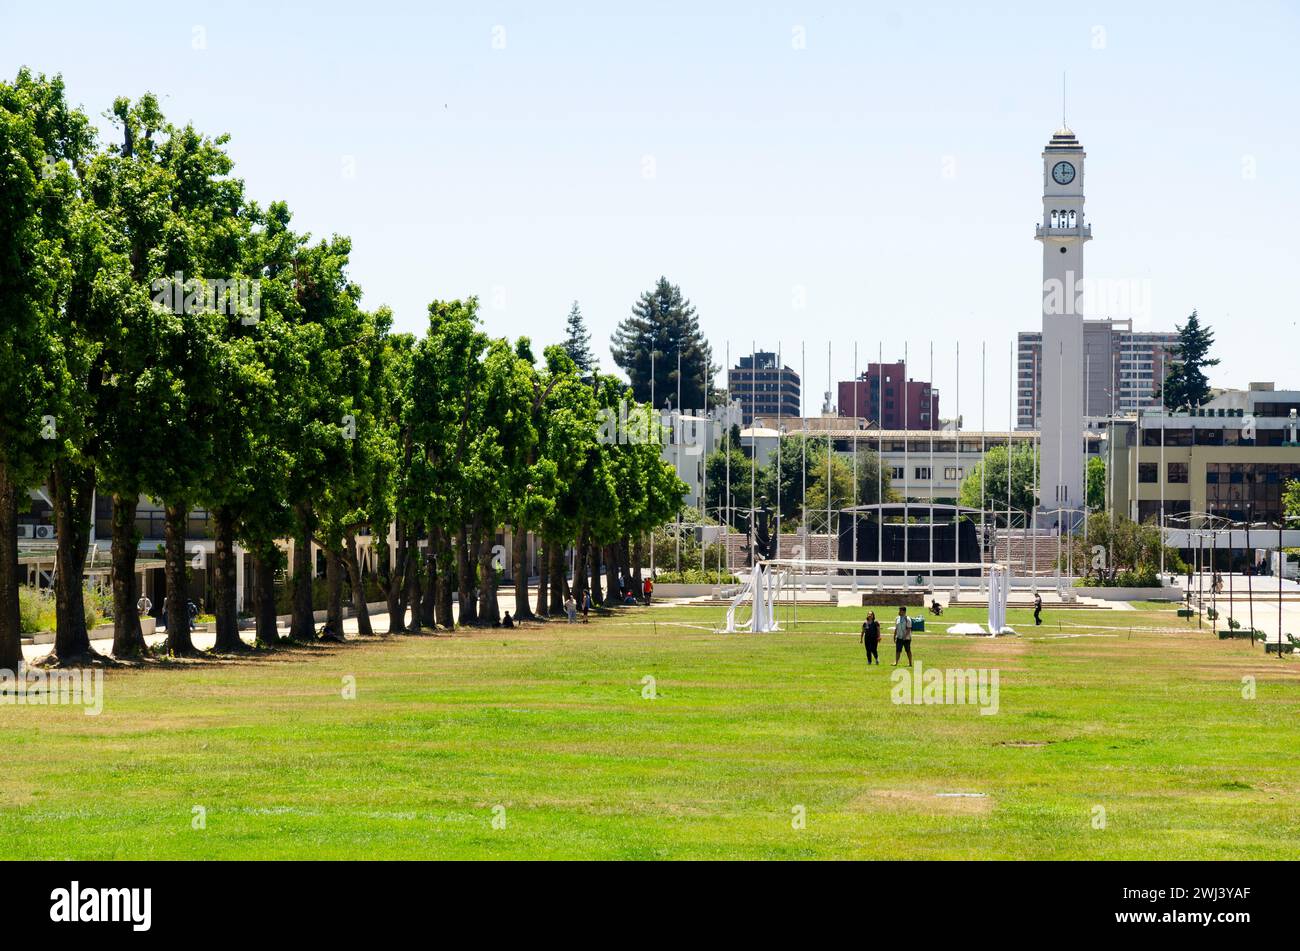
point(871, 638)
point(902, 636)
point(1038, 609)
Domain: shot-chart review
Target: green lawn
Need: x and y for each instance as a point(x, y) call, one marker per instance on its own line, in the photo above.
point(1135, 712)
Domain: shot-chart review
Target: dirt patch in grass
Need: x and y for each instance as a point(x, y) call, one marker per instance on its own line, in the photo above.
point(926, 801)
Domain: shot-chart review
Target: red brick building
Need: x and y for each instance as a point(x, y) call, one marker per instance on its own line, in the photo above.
point(885, 396)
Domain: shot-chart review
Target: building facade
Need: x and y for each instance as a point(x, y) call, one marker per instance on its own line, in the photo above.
point(885, 395)
point(763, 387)
point(1226, 463)
point(1123, 370)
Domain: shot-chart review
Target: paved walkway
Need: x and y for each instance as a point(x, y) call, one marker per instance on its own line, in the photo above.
point(1264, 592)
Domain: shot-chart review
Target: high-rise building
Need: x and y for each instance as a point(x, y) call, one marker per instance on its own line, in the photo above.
point(1117, 361)
point(884, 395)
point(763, 387)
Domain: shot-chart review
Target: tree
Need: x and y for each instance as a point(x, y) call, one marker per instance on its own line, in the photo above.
point(663, 323)
point(29, 350)
point(1119, 550)
point(1096, 476)
point(991, 473)
point(87, 267)
point(1186, 383)
point(577, 342)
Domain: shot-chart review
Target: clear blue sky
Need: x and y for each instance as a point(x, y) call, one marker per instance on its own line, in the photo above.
point(519, 173)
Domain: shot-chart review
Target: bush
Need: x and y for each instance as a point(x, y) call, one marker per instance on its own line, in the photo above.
point(693, 576)
point(35, 610)
point(1141, 578)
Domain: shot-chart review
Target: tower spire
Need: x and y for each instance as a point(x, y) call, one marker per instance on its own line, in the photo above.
point(1064, 124)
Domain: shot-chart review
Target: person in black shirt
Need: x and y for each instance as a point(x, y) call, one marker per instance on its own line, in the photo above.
point(871, 637)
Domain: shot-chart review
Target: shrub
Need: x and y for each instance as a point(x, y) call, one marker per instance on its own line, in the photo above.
point(693, 576)
point(35, 610)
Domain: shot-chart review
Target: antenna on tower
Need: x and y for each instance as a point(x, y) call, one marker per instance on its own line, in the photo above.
point(1063, 123)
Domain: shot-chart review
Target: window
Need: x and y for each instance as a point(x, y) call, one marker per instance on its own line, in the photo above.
point(1178, 472)
point(895, 472)
point(952, 473)
point(923, 472)
point(1148, 471)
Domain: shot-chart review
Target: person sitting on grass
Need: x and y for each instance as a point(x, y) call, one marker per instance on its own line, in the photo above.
point(871, 638)
point(935, 607)
point(507, 621)
point(902, 636)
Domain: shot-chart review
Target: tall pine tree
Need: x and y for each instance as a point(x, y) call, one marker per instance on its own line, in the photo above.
point(577, 342)
point(664, 323)
point(1186, 383)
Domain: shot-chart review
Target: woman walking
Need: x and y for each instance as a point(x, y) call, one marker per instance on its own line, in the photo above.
point(871, 637)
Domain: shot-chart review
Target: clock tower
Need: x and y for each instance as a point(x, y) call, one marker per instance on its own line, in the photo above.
point(1062, 233)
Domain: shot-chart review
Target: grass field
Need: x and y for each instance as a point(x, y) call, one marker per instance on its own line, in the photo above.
point(1132, 712)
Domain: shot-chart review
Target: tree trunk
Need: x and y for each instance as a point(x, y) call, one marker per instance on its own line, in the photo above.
point(638, 555)
point(128, 637)
point(614, 584)
point(464, 580)
point(358, 584)
point(597, 597)
point(264, 598)
point(396, 577)
point(413, 593)
point(559, 586)
point(73, 488)
point(489, 612)
point(228, 638)
point(447, 584)
point(429, 606)
point(179, 643)
point(302, 627)
point(581, 582)
point(333, 595)
point(519, 572)
point(543, 578)
point(11, 651)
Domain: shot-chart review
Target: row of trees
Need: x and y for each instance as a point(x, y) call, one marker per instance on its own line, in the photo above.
point(163, 335)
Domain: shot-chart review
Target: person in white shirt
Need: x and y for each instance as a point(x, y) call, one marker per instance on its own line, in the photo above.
point(902, 636)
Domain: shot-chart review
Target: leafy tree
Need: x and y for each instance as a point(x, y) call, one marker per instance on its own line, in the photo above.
point(29, 349)
point(664, 323)
point(1119, 550)
point(577, 342)
point(1186, 383)
point(992, 469)
point(88, 270)
point(1096, 474)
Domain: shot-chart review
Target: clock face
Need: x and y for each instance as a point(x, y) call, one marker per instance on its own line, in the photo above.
point(1063, 173)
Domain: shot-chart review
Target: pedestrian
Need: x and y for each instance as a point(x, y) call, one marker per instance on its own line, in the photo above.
point(871, 638)
point(647, 588)
point(507, 621)
point(586, 605)
point(902, 636)
point(1038, 609)
point(144, 605)
point(571, 608)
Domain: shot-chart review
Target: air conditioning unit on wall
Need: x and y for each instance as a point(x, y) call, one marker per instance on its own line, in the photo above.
point(25, 531)
point(44, 531)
